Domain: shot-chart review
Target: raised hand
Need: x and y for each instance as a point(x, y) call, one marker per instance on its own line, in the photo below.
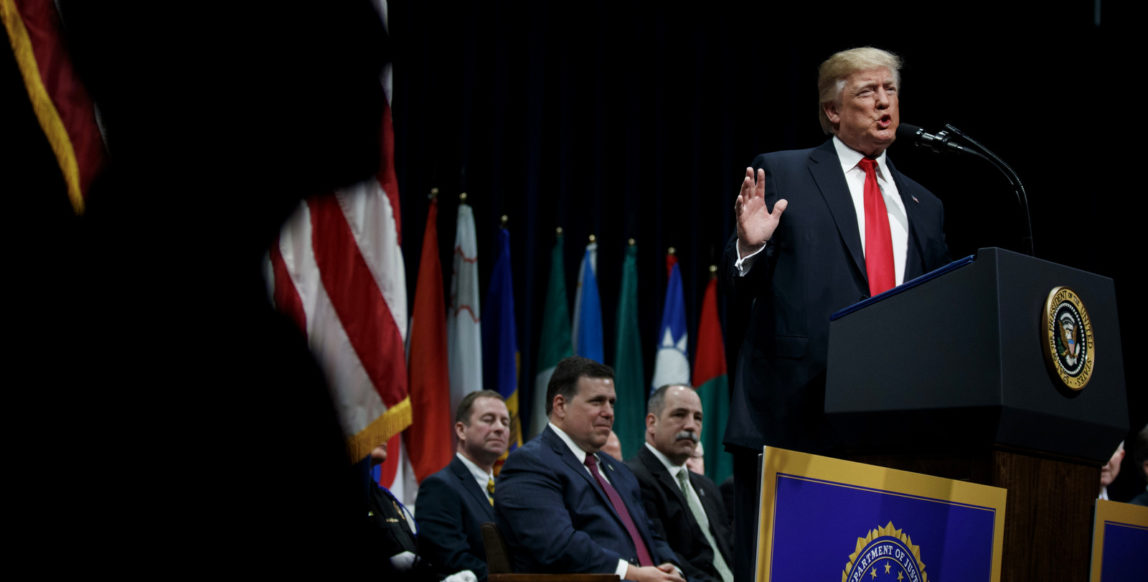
point(755, 223)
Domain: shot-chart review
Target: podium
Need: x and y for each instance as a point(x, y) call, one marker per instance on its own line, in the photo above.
point(949, 375)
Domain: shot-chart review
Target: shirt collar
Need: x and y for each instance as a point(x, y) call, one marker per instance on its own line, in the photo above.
point(574, 448)
point(850, 157)
point(672, 468)
point(474, 469)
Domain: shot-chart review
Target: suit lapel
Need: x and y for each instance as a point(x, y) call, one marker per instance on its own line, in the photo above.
point(609, 464)
point(825, 168)
point(559, 447)
point(470, 485)
point(658, 470)
point(604, 466)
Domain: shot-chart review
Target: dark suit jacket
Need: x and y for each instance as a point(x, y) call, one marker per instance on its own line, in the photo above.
point(667, 507)
point(556, 518)
point(811, 267)
point(394, 533)
point(450, 510)
point(391, 535)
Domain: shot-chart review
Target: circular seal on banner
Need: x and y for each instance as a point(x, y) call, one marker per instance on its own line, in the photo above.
point(885, 554)
point(1067, 341)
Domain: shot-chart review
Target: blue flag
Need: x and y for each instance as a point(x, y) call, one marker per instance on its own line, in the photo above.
point(588, 309)
point(499, 339)
point(672, 364)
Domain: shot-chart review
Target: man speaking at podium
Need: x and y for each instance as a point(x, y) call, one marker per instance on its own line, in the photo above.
point(818, 230)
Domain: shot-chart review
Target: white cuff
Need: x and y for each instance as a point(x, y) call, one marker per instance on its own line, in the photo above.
point(463, 576)
point(620, 571)
point(403, 561)
point(743, 264)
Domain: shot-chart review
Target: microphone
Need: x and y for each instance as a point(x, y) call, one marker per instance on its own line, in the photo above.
point(938, 142)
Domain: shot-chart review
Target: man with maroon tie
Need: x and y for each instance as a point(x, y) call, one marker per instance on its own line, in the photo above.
point(562, 506)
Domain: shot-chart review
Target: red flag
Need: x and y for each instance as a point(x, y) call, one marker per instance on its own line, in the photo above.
point(61, 103)
point(709, 359)
point(429, 438)
point(712, 384)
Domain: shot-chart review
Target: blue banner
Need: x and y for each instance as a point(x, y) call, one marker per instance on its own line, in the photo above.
point(835, 525)
point(1119, 542)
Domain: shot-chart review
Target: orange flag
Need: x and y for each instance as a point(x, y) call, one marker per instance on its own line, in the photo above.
point(428, 439)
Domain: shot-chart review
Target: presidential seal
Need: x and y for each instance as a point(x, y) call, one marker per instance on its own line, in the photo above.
point(886, 554)
point(1067, 340)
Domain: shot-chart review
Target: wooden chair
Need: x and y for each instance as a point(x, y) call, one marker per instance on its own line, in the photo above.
point(498, 563)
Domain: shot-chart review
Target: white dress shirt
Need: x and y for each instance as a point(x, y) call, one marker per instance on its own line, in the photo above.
point(855, 180)
point(898, 220)
point(480, 476)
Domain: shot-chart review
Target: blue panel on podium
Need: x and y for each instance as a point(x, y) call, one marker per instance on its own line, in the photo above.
point(828, 519)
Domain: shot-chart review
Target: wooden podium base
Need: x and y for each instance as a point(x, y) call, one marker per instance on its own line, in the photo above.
point(1048, 515)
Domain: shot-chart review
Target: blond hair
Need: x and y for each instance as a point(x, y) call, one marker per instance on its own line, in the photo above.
point(832, 73)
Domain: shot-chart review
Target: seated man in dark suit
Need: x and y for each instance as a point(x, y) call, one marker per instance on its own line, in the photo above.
point(684, 505)
point(564, 508)
point(393, 530)
point(454, 503)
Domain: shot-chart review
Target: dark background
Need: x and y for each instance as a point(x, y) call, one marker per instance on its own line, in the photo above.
point(624, 120)
point(621, 120)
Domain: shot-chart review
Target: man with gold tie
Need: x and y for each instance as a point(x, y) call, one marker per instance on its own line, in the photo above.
point(453, 503)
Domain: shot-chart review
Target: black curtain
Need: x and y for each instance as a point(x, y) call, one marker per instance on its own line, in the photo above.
point(636, 120)
point(624, 121)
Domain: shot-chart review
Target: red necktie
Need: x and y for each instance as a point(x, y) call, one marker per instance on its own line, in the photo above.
point(644, 558)
point(878, 242)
